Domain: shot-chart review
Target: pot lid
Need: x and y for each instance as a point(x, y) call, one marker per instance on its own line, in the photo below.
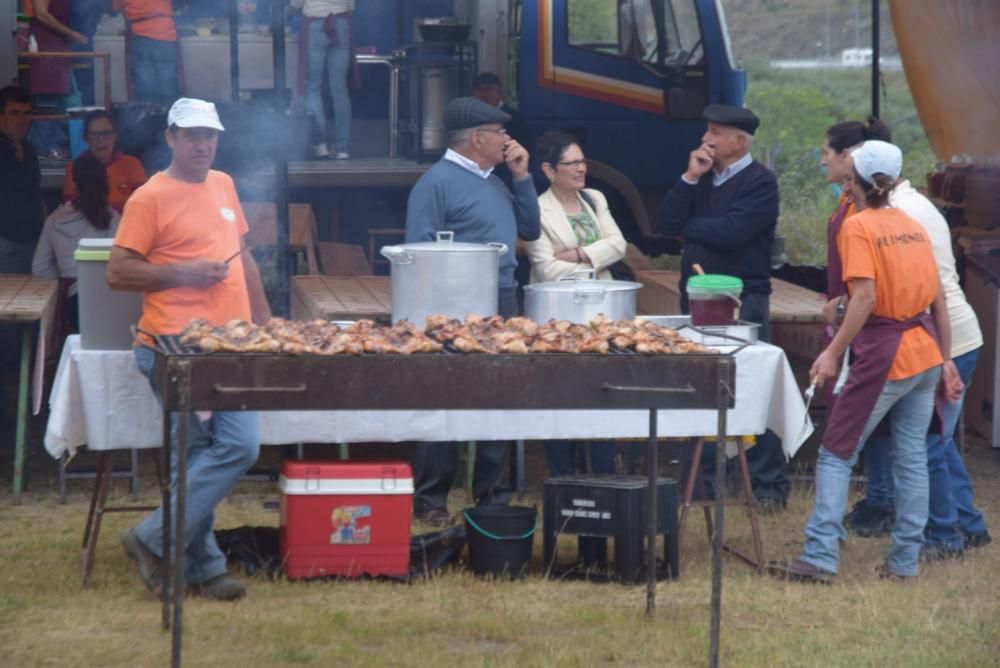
point(445, 243)
point(575, 285)
point(715, 284)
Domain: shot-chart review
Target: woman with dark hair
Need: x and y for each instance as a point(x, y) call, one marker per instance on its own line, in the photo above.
point(873, 514)
point(578, 232)
point(88, 216)
point(900, 353)
point(125, 173)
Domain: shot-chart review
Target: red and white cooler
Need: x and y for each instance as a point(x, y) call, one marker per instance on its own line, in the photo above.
point(345, 518)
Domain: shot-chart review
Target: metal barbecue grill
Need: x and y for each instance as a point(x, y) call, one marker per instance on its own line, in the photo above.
point(188, 380)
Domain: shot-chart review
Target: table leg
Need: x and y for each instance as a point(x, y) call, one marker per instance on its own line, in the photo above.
point(22, 409)
point(98, 500)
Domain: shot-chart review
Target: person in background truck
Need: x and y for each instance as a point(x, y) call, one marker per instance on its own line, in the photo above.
point(125, 173)
point(726, 207)
point(20, 184)
point(487, 87)
point(326, 42)
point(172, 246)
point(152, 52)
point(460, 193)
point(901, 354)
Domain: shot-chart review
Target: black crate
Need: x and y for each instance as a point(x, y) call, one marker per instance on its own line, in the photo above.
point(598, 507)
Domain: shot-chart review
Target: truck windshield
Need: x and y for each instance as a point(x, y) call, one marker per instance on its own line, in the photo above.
point(628, 28)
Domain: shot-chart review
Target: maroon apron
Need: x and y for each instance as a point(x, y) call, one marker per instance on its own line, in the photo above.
point(50, 76)
point(872, 353)
point(835, 286)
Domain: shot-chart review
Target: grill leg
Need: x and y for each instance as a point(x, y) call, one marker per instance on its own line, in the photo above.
point(722, 396)
point(168, 454)
point(183, 438)
point(651, 466)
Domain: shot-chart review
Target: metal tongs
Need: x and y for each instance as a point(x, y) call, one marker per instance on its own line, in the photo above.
point(808, 396)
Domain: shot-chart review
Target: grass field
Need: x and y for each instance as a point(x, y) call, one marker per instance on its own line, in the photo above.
point(949, 617)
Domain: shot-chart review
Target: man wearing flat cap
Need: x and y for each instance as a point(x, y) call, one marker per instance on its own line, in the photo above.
point(461, 194)
point(725, 206)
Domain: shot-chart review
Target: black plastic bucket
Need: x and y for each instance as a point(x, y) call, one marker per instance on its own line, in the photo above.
point(500, 539)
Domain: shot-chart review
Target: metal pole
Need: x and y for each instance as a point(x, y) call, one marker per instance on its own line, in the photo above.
point(652, 467)
point(280, 159)
point(234, 51)
point(183, 436)
point(168, 454)
point(876, 111)
point(722, 404)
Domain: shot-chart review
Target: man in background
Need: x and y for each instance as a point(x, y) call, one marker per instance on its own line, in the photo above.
point(151, 50)
point(726, 207)
point(22, 212)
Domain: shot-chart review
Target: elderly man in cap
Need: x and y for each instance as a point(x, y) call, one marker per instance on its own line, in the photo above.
point(725, 205)
point(172, 245)
point(462, 194)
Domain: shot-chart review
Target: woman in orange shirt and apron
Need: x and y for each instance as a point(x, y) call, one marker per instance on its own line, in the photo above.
point(900, 354)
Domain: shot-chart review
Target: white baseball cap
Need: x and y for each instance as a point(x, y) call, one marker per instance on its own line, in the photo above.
point(877, 157)
point(187, 112)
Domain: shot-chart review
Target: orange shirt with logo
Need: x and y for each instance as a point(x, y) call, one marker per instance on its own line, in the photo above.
point(891, 248)
point(125, 174)
point(170, 221)
point(153, 19)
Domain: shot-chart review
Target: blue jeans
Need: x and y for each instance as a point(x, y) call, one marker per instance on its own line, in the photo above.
point(336, 59)
point(909, 404)
point(153, 70)
point(220, 451)
point(562, 457)
point(952, 512)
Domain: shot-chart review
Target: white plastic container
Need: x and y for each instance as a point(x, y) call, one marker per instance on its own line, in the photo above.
point(106, 315)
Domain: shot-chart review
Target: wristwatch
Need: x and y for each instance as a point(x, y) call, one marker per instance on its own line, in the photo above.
point(841, 308)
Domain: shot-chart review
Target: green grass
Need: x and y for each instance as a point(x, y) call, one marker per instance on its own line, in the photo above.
point(949, 617)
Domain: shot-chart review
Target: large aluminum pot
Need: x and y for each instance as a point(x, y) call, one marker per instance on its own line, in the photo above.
point(443, 277)
point(579, 298)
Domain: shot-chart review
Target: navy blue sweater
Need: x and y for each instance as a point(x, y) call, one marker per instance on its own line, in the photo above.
point(21, 210)
point(477, 210)
point(727, 229)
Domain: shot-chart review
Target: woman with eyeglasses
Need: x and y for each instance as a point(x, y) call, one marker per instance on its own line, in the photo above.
point(578, 232)
point(125, 173)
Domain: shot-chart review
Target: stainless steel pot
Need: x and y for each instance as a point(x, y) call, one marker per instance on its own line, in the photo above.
point(443, 277)
point(580, 297)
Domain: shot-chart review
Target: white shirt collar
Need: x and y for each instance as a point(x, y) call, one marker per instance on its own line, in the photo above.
point(464, 162)
point(718, 178)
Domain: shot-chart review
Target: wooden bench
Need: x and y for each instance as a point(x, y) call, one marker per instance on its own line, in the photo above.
point(341, 298)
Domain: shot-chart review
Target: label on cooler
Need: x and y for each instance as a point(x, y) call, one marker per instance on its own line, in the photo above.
point(345, 525)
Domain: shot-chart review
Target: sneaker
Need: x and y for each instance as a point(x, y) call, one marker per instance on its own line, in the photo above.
point(939, 552)
point(800, 571)
point(884, 573)
point(769, 505)
point(343, 155)
point(869, 520)
point(436, 516)
point(321, 151)
point(974, 540)
point(149, 563)
point(220, 588)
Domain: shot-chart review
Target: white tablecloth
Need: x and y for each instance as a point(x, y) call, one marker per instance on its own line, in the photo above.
point(100, 399)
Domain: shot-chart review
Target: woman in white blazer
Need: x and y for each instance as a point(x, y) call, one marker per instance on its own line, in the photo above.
point(578, 232)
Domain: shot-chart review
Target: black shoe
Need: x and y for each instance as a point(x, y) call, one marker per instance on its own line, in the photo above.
point(771, 505)
point(149, 563)
point(974, 540)
point(884, 573)
point(938, 552)
point(436, 516)
point(220, 588)
point(800, 571)
point(869, 520)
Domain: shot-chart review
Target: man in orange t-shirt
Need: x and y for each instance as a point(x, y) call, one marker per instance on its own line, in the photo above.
point(896, 366)
point(150, 49)
point(171, 245)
